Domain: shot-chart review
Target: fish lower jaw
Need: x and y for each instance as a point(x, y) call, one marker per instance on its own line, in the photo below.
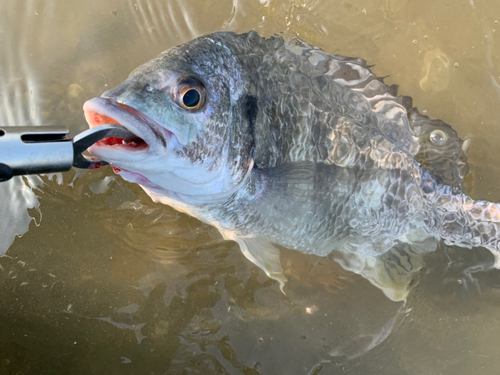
point(119, 153)
point(134, 177)
point(180, 202)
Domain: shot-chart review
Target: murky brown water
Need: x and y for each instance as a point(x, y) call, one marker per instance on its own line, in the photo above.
point(106, 282)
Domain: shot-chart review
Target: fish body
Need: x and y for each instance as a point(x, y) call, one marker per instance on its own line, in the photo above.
point(279, 143)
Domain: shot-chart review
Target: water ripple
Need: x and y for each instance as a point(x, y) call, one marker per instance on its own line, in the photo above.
point(158, 22)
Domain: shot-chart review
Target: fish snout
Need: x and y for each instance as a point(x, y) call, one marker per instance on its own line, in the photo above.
point(150, 136)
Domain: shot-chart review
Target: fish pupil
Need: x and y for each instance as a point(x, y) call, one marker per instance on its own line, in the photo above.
point(191, 98)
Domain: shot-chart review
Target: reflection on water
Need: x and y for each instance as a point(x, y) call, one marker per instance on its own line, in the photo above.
point(17, 197)
point(109, 282)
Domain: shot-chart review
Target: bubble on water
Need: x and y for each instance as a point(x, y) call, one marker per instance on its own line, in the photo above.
point(438, 137)
point(74, 90)
point(455, 65)
point(425, 36)
point(414, 41)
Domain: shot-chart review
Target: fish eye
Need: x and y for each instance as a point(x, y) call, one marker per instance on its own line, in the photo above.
point(191, 98)
point(190, 93)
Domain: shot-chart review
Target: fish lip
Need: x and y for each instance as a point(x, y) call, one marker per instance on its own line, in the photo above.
point(155, 135)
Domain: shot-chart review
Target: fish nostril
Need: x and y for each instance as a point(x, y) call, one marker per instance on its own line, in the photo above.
point(120, 92)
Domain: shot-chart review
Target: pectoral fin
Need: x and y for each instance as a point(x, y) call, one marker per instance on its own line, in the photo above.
point(265, 256)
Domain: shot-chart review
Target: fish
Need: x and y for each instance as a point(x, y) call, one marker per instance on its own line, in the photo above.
point(279, 144)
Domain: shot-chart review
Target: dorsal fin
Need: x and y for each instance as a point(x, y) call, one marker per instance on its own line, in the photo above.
point(444, 159)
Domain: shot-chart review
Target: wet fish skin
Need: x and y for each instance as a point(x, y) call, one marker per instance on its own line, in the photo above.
point(298, 148)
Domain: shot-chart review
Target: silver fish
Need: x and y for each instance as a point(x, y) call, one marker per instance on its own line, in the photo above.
point(278, 143)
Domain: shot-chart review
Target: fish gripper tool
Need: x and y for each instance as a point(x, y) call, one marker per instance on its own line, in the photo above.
point(45, 149)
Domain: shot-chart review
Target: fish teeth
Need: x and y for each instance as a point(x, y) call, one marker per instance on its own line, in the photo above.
point(130, 143)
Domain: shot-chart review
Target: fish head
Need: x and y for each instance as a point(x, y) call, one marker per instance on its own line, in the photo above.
point(190, 108)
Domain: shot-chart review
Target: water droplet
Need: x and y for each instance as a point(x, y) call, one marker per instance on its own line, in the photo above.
point(438, 137)
point(414, 41)
point(455, 65)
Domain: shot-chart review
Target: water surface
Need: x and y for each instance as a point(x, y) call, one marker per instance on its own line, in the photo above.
point(103, 281)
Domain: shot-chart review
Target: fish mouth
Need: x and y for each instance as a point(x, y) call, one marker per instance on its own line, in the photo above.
point(151, 138)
